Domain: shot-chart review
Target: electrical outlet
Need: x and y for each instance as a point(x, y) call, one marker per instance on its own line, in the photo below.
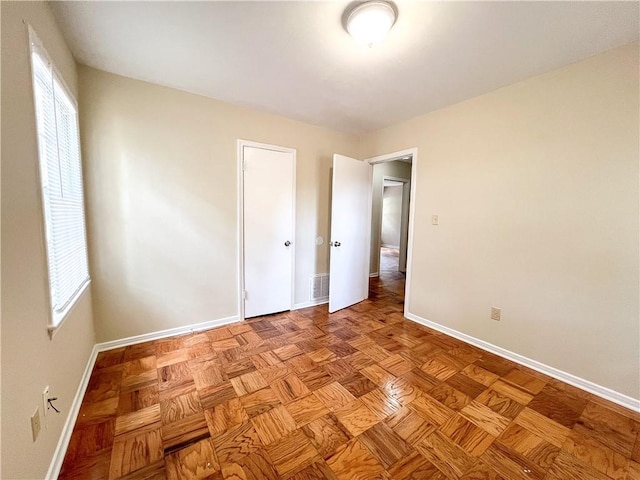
point(35, 424)
point(45, 402)
point(495, 313)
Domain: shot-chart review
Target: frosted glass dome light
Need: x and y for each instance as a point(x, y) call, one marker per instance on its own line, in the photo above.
point(369, 22)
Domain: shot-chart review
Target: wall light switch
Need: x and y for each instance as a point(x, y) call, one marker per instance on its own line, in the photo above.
point(434, 219)
point(45, 401)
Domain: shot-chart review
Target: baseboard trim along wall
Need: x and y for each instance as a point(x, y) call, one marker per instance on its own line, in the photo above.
point(170, 332)
point(598, 390)
point(375, 274)
point(312, 303)
point(67, 429)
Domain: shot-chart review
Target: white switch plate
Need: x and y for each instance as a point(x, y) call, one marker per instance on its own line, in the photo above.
point(496, 313)
point(434, 219)
point(45, 401)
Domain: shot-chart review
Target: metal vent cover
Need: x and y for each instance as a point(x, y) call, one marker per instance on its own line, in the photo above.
point(320, 286)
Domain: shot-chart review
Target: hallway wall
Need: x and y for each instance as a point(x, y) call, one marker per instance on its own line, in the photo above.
point(391, 216)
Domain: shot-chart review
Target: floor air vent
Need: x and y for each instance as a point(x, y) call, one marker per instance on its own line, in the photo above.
point(320, 286)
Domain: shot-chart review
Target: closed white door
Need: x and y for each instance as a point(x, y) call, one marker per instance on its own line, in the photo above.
point(350, 232)
point(268, 212)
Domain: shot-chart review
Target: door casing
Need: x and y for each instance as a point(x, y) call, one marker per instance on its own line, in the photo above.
point(389, 157)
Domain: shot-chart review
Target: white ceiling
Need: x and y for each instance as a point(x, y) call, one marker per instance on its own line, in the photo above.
point(295, 59)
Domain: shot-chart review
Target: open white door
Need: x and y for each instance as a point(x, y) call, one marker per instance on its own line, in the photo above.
point(350, 232)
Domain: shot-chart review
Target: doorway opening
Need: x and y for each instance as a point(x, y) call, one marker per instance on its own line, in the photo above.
point(392, 226)
point(394, 216)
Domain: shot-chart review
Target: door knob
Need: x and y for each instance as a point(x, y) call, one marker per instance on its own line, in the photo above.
point(287, 243)
point(335, 244)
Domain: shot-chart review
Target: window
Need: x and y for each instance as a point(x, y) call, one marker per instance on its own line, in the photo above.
point(61, 182)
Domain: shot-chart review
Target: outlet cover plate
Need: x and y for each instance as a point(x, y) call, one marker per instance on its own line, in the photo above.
point(35, 424)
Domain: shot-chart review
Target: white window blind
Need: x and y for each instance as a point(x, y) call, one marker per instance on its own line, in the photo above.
point(61, 179)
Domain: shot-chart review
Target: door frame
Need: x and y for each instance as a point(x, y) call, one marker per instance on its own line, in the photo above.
point(389, 157)
point(240, 216)
point(406, 183)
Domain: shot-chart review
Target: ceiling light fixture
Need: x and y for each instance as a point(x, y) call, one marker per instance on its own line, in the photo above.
point(369, 22)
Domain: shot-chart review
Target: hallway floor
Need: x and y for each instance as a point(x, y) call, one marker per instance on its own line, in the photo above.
point(359, 394)
point(389, 258)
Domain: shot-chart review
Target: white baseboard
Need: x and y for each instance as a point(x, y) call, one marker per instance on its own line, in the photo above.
point(312, 303)
point(376, 274)
point(67, 428)
point(599, 390)
point(170, 332)
point(386, 245)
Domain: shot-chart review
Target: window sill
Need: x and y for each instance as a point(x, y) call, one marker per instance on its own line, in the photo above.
point(53, 329)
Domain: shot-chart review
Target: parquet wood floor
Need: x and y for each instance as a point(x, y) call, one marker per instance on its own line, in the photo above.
point(359, 394)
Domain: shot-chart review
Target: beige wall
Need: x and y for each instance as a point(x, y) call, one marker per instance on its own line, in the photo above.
point(161, 174)
point(30, 360)
point(397, 169)
point(536, 188)
point(391, 214)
